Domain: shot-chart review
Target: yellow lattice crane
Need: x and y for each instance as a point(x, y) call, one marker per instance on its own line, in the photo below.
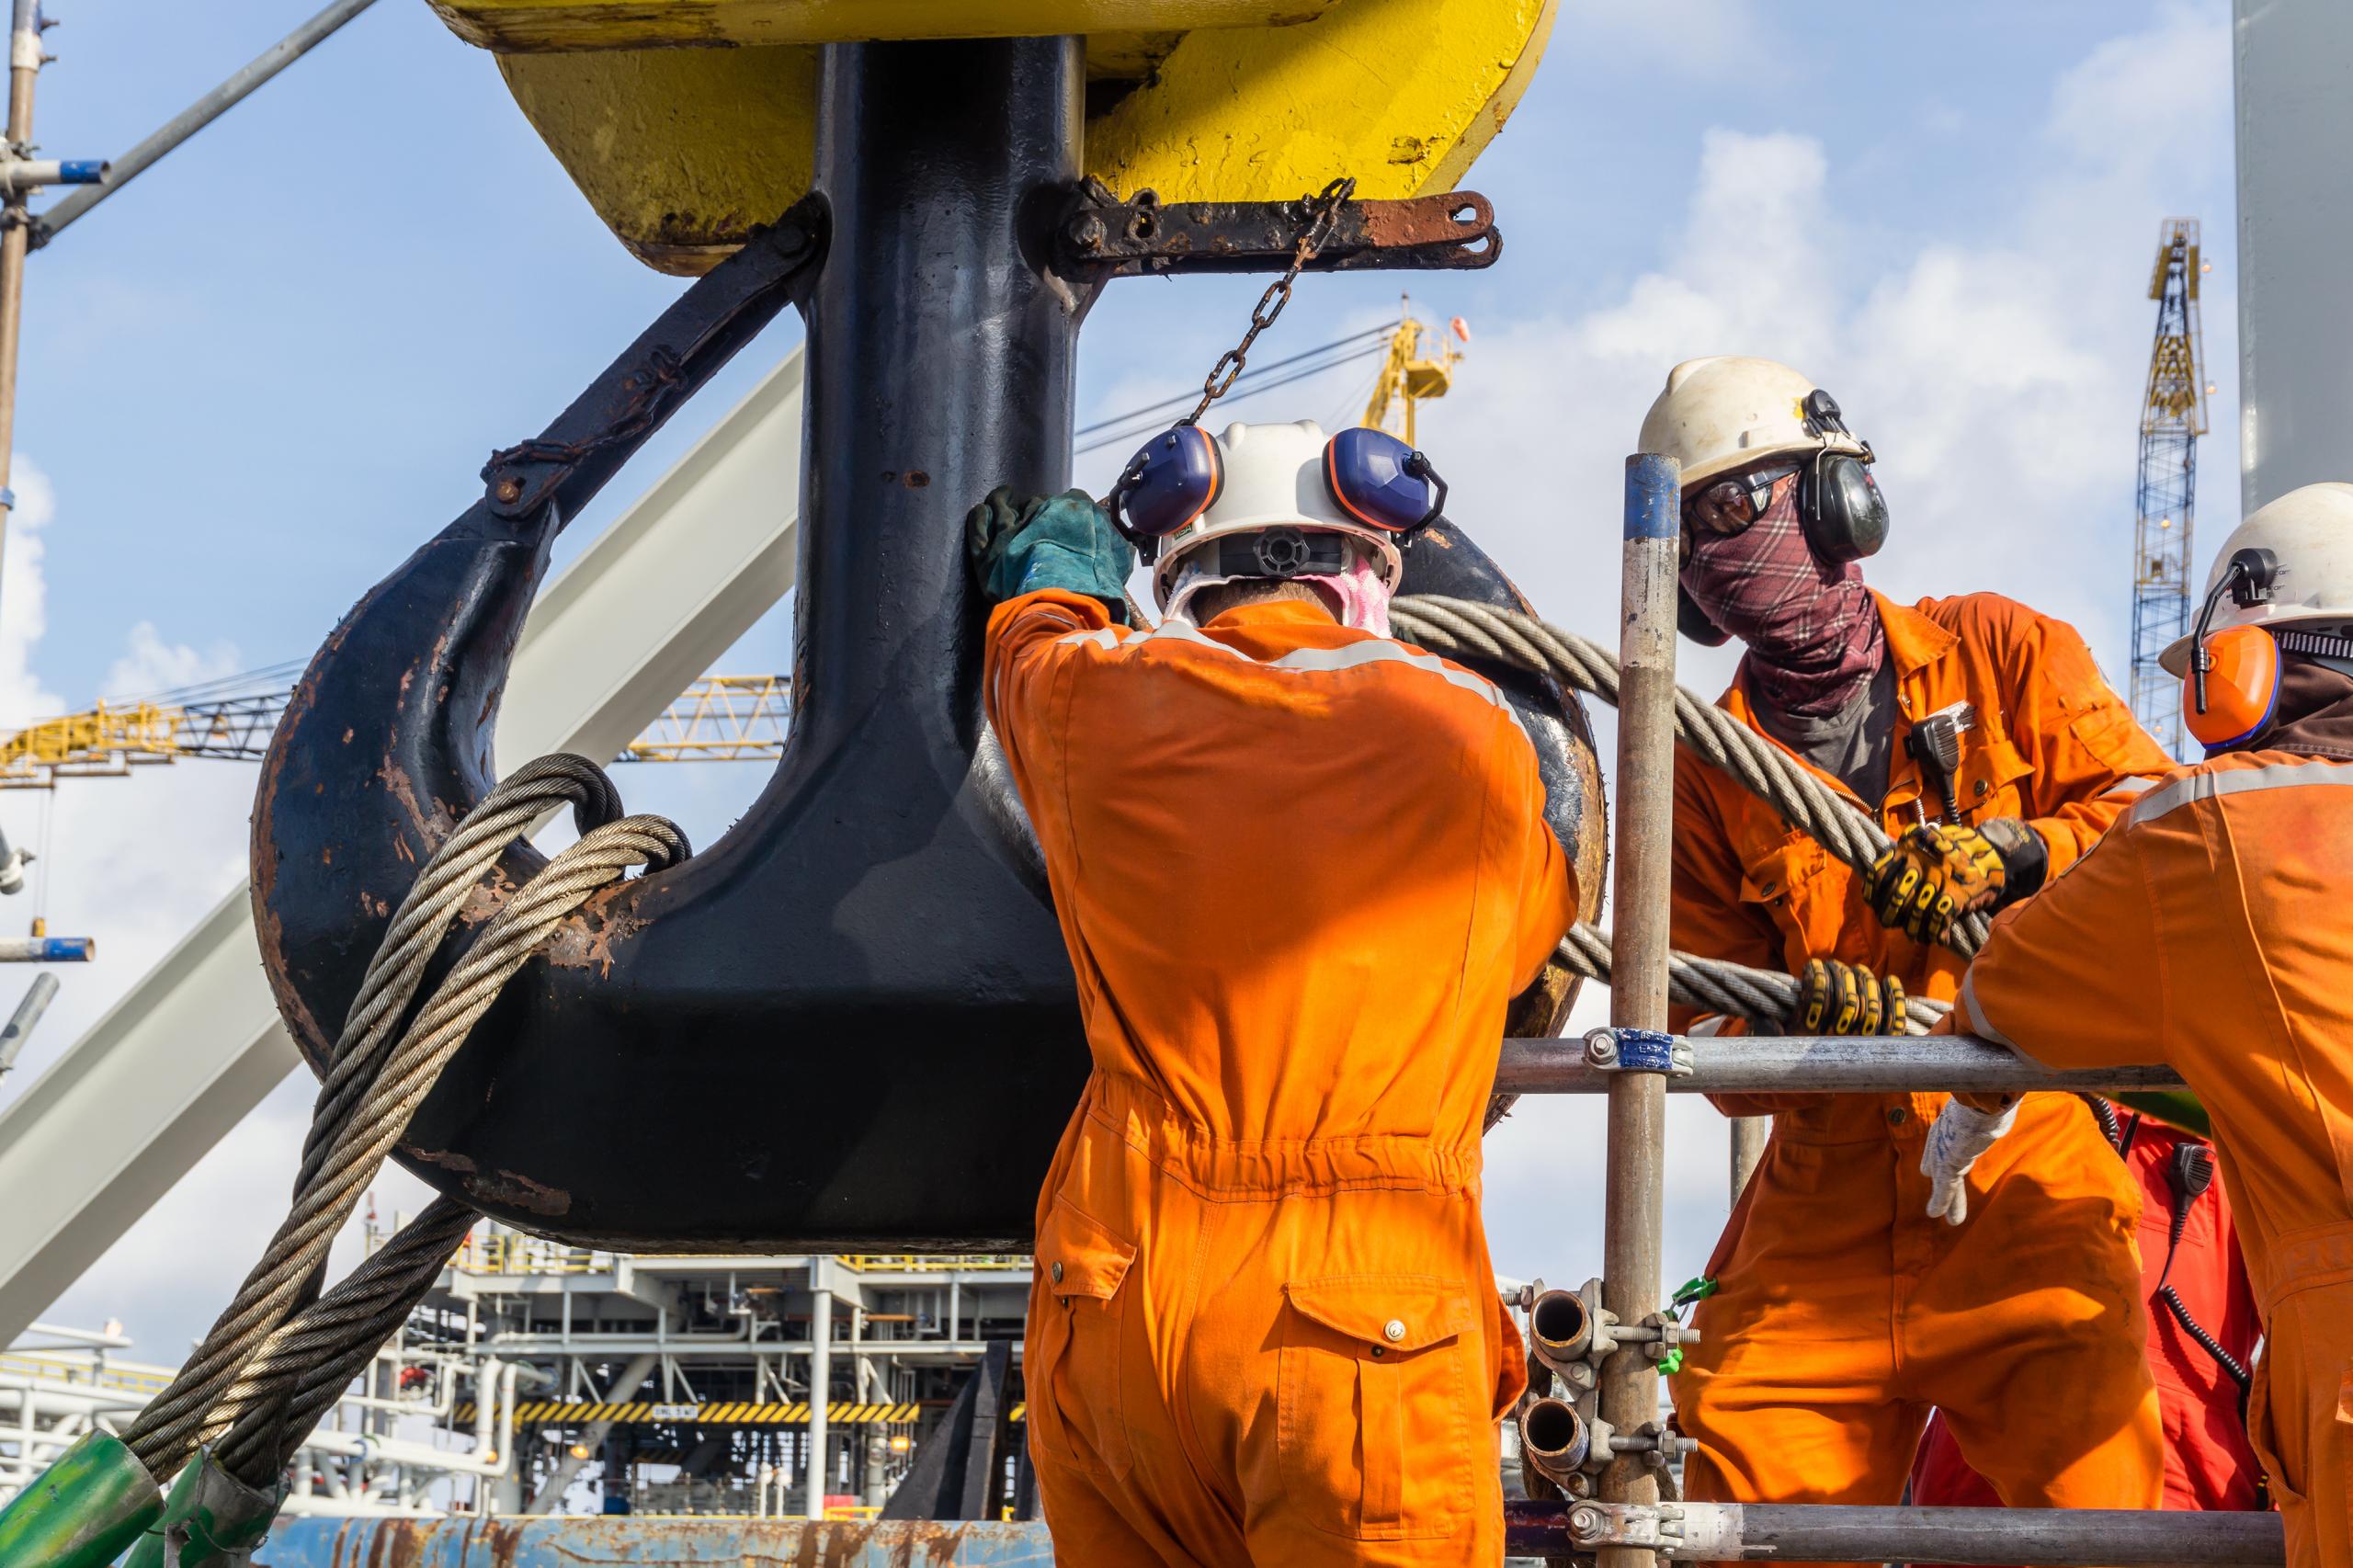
point(718, 719)
point(1419, 364)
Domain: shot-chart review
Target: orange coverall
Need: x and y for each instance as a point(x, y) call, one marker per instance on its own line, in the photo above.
point(2212, 930)
point(2207, 1462)
point(1844, 1312)
point(1301, 870)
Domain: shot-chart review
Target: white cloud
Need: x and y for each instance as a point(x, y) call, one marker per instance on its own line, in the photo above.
point(149, 664)
point(24, 597)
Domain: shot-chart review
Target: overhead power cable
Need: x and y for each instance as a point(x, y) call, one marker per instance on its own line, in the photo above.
point(1180, 398)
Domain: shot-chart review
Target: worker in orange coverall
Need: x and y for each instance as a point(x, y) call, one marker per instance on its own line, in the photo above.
point(1842, 1304)
point(1302, 869)
point(2212, 930)
point(2202, 1333)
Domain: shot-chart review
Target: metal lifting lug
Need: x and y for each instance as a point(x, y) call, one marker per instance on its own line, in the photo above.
point(1637, 1051)
point(1102, 237)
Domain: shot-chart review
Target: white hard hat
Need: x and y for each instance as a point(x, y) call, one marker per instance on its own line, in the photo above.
point(1728, 413)
point(1273, 479)
point(2310, 531)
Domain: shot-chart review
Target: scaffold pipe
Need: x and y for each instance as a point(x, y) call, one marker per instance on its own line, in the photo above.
point(48, 949)
point(2042, 1538)
point(1819, 1064)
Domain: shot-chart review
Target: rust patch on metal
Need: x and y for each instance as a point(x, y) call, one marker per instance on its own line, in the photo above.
point(519, 1192)
point(1456, 218)
point(398, 785)
point(587, 939)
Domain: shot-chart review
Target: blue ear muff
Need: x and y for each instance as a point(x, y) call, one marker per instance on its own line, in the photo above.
point(1169, 484)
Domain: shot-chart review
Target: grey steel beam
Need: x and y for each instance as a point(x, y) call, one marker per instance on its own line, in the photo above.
point(175, 1064)
point(2295, 213)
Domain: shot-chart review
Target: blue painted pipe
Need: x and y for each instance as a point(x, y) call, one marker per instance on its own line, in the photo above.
point(48, 949)
point(82, 171)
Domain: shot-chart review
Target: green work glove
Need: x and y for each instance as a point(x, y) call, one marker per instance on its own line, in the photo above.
point(1019, 545)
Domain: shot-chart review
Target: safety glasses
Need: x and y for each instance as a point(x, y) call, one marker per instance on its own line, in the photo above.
point(1731, 505)
point(1370, 475)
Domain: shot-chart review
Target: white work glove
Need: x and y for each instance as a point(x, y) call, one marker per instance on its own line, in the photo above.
point(1960, 1136)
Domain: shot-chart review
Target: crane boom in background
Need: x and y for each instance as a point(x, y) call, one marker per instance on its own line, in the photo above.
point(2173, 416)
point(718, 719)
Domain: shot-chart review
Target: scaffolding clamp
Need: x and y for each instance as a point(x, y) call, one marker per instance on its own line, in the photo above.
point(1637, 1051)
point(1704, 1533)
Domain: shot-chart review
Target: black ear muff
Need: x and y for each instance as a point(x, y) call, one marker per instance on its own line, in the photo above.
point(1840, 507)
point(1693, 622)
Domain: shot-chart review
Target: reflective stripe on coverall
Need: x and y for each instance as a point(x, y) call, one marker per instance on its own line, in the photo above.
point(1301, 870)
point(2208, 1462)
point(1844, 1312)
point(2212, 930)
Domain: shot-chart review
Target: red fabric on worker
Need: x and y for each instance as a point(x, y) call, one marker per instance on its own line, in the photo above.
point(2207, 1462)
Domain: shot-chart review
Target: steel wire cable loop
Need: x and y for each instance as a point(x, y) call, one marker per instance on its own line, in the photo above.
point(449, 882)
point(303, 1369)
point(1764, 996)
point(424, 916)
point(168, 1430)
point(1480, 630)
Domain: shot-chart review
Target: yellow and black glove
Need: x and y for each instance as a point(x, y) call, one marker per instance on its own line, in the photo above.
point(1938, 872)
point(1836, 997)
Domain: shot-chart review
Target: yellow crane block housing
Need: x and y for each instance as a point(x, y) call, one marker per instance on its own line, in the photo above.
point(687, 123)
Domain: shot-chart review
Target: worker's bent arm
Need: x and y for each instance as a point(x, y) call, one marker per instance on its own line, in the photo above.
point(2089, 755)
point(1031, 639)
point(2075, 976)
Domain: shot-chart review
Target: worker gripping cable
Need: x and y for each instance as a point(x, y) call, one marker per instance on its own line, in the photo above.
point(2209, 932)
point(1301, 870)
point(1849, 1304)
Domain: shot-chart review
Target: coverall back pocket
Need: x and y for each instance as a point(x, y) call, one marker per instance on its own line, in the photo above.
point(1377, 1430)
point(1077, 1376)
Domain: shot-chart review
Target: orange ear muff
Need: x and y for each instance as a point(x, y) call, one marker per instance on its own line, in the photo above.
point(2241, 687)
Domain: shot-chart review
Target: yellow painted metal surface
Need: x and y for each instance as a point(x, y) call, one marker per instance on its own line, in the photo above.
point(530, 25)
point(683, 151)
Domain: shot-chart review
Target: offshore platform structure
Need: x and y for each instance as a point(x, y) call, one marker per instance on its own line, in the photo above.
point(2173, 416)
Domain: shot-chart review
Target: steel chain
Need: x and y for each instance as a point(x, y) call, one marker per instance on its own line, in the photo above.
point(1322, 212)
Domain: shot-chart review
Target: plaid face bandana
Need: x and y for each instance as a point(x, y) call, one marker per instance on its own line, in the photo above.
point(1814, 634)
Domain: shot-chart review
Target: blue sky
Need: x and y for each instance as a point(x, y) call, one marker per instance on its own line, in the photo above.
point(261, 375)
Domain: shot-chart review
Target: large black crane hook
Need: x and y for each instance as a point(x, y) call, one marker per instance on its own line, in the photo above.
point(849, 1022)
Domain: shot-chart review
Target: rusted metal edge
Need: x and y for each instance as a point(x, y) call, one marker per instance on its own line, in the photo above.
point(1453, 230)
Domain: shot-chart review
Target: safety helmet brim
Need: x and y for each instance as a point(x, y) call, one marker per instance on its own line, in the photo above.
point(2310, 529)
